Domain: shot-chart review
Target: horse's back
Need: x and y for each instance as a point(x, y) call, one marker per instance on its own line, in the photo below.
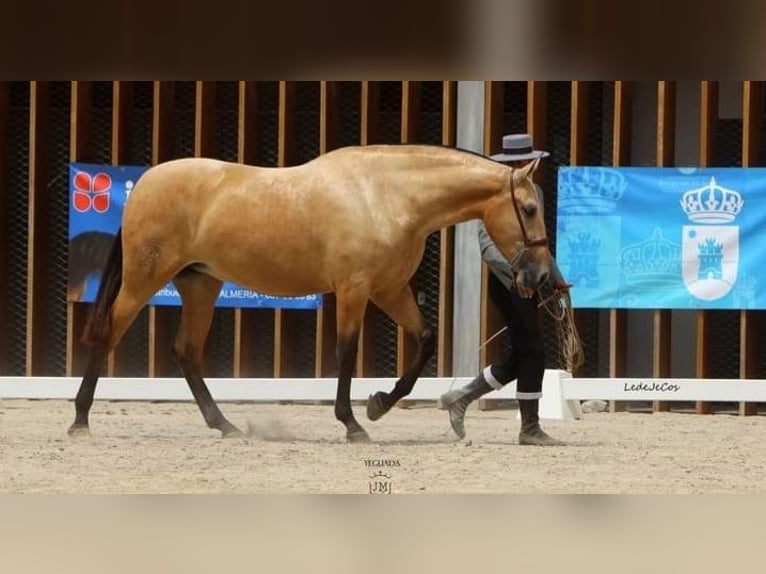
point(292, 230)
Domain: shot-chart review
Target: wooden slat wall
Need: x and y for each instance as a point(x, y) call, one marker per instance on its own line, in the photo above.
point(285, 334)
point(160, 334)
point(369, 134)
point(490, 319)
point(661, 318)
point(5, 197)
point(406, 346)
point(446, 257)
point(249, 323)
point(708, 118)
point(79, 150)
point(618, 318)
point(37, 236)
point(751, 323)
point(247, 346)
point(122, 92)
point(326, 326)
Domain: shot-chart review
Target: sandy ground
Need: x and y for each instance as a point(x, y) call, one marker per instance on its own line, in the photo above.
point(166, 448)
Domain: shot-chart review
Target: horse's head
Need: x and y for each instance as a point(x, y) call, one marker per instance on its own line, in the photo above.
point(514, 221)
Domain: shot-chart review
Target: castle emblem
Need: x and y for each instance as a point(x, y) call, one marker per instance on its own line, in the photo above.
point(583, 257)
point(710, 252)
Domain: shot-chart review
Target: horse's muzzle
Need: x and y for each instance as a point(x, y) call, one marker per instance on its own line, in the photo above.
point(530, 277)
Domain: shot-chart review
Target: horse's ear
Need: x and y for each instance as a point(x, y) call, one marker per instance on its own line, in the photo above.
point(525, 172)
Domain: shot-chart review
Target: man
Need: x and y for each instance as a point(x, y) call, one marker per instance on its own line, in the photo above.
point(525, 360)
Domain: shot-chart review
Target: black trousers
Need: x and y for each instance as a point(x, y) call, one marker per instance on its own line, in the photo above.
point(525, 359)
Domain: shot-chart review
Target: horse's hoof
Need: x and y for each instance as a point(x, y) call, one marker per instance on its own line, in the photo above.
point(359, 435)
point(375, 406)
point(78, 430)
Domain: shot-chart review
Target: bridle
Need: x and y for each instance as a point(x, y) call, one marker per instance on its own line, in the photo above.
point(541, 242)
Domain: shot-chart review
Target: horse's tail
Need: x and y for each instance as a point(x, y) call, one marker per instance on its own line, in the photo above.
point(99, 321)
point(88, 253)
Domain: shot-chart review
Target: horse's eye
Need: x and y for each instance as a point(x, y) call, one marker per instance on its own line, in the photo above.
point(529, 209)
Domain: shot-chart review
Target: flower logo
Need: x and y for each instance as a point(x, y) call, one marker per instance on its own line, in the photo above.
point(91, 192)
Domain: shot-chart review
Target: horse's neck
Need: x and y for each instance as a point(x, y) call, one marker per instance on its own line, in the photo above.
point(454, 195)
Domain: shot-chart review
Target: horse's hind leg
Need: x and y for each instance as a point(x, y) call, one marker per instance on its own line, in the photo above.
point(403, 309)
point(123, 312)
point(198, 293)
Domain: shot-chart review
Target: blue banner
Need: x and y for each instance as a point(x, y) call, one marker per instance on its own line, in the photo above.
point(663, 238)
point(97, 197)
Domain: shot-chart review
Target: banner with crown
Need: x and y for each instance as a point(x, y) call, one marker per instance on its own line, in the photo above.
point(663, 238)
point(98, 194)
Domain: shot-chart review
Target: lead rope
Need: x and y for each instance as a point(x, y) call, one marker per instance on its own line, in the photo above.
point(558, 305)
point(484, 344)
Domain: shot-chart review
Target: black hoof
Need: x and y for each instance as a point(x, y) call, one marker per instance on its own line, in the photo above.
point(78, 430)
point(376, 408)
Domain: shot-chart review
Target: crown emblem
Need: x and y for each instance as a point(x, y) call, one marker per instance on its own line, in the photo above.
point(654, 261)
point(712, 203)
point(590, 189)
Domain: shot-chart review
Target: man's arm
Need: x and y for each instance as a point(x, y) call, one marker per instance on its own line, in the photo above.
point(492, 255)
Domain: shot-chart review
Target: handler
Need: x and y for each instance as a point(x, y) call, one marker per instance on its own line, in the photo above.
point(525, 359)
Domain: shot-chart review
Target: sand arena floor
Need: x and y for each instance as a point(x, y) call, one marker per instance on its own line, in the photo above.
point(166, 448)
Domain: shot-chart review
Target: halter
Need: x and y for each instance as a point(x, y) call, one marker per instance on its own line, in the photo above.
point(542, 241)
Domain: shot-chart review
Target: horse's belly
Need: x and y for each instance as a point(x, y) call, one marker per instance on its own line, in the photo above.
point(270, 277)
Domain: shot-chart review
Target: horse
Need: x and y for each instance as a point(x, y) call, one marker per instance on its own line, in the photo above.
point(88, 253)
point(353, 221)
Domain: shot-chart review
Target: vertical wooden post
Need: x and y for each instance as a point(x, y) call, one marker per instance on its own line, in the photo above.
point(751, 323)
point(79, 150)
point(284, 337)
point(5, 193)
point(446, 257)
point(205, 146)
point(122, 92)
point(160, 359)
point(38, 217)
point(409, 132)
point(489, 317)
point(326, 332)
point(661, 318)
point(204, 112)
point(244, 319)
point(369, 134)
point(618, 318)
point(708, 119)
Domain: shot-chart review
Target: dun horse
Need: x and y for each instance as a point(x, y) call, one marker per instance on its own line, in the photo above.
point(353, 221)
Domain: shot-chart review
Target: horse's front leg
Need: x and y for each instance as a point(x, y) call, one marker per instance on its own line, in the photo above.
point(351, 303)
point(403, 309)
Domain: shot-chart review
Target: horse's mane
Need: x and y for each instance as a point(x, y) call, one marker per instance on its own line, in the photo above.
point(472, 153)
